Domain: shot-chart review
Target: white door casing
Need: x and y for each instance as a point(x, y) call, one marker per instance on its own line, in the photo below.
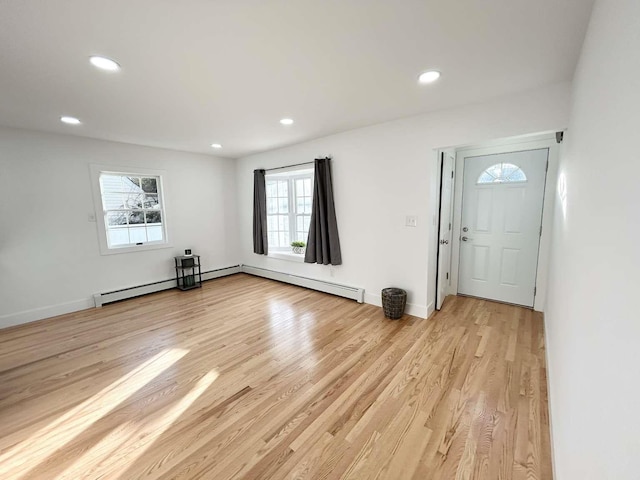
point(501, 224)
point(445, 227)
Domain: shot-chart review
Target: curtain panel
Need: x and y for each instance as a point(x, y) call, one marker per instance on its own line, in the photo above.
point(323, 243)
point(260, 242)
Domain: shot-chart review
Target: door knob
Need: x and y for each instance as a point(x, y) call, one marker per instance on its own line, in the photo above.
point(466, 239)
point(444, 242)
point(465, 229)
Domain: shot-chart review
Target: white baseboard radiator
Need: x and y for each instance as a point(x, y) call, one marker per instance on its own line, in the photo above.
point(130, 292)
point(353, 293)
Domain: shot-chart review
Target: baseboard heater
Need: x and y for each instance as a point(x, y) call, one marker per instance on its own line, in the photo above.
point(130, 292)
point(353, 293)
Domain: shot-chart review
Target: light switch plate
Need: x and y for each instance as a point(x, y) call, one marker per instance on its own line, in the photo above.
point(412, 221)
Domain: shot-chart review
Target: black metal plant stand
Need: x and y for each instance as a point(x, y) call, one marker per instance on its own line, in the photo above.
point(188, 272)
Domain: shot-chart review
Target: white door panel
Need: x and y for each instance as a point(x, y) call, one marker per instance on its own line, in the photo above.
point(501, 219)
point(446, 219)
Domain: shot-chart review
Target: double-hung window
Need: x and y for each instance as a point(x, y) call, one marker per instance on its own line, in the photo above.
point(289, 198)
point(132, 213)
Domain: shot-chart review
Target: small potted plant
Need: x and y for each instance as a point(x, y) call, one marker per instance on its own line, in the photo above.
point(298, 247)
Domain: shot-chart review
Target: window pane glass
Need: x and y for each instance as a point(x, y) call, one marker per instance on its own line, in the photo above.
point(151, 201)
point(272, 189)
point(307, 187)
point(133, 200)
point(153, 217)
point(112, 201)
point(149, 185)
point(154, 233)
point(136, 217)
point(300, 223)
point(272, 223)
point(273, 239)
point(299, 205)
point(307, 205)
point(130, 184)
point(283, 222)
point(110, 183)
point(283, 188)
point(272, 205)
point(118, 236)
point(283, 205)
point(116, 218)
point(137, 234)
point(307, 223)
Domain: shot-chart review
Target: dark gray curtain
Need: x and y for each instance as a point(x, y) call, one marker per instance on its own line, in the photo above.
point(260, 243)
point(323, 244)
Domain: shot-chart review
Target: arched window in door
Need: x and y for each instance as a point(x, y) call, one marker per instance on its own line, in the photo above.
point(502, 173)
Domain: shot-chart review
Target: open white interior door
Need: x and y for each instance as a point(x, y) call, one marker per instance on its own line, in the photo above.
point(447, 160)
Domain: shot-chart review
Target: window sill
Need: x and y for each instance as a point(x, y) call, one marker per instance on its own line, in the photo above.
point(289, 256)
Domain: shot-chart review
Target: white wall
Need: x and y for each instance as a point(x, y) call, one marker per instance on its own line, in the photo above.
point(385, 172)
point(593, 318)
point(50, 261)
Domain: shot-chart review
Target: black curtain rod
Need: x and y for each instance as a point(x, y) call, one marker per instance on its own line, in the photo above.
point(294, 165)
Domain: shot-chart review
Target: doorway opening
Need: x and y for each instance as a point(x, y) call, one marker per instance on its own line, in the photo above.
point(495, 220)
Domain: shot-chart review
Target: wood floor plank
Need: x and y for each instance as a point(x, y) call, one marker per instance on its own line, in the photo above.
point(249, 378)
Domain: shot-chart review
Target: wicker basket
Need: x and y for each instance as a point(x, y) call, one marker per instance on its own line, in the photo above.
point(393, 302)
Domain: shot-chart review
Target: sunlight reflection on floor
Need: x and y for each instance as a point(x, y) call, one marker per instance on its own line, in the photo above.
point(28, 454)
point(132, 439)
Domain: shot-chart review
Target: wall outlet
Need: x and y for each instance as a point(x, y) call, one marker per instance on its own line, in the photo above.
point(411, 221)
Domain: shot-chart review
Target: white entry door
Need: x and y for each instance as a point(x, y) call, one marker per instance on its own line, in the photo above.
point(501, 225)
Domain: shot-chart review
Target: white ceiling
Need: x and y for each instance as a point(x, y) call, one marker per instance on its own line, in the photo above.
point(196, 72)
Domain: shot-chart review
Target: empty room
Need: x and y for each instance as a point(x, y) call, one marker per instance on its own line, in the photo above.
point(359, 239)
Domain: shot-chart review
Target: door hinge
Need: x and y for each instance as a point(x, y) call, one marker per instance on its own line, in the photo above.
point(449, 225)
point(540, 230)
point(535, 291)
point(546, 169)
point(447, 275)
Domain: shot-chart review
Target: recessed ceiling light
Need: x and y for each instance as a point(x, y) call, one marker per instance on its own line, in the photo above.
point(104, 63)
point(70, 120)
point(216, 145)
point(286, 121)
point(429, 76)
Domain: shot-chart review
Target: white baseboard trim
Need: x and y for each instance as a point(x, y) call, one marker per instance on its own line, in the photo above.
point(26, 316)
point(138, 290)
point(549, 374)
point(19, 318)
point(354, 293)
point(411, 308)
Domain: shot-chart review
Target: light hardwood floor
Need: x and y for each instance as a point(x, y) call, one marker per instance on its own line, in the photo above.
point(250, 378)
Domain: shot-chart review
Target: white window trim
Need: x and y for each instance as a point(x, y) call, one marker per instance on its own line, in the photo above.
point(96, 170)
point(292, 175)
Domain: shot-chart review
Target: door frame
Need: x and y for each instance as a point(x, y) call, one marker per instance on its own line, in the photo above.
point(509, 146)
